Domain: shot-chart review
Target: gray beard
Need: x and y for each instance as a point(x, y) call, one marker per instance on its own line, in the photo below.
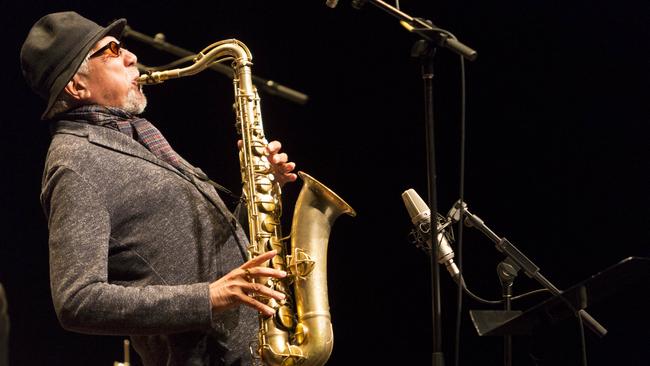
point(135, 102)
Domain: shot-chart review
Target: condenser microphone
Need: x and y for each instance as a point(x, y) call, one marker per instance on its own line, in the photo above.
point(421, 217)
point(331, 3)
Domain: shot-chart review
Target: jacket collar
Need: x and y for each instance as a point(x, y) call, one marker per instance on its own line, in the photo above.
point(110, 139)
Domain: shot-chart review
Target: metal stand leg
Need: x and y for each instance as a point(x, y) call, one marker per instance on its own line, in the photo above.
point(507, 272)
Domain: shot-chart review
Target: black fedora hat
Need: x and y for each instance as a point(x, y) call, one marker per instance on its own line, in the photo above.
point(55, 48)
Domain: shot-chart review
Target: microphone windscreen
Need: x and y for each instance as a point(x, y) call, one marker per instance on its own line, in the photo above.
point(415, 206)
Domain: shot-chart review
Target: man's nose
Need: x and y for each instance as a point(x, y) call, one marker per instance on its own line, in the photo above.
point(130, 59)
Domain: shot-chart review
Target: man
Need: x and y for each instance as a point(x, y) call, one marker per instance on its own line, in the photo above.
point(140, 242)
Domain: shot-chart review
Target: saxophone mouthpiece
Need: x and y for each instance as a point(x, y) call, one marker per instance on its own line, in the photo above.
point(156, 77)
point(148, 78)
point(145, 77)
point(143, 80)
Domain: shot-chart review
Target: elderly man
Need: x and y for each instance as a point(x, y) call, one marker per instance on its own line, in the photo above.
point(140, 242)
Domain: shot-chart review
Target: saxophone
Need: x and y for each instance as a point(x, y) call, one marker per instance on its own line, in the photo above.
point(300, 332)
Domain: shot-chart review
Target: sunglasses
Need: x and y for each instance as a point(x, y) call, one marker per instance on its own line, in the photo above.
point(112, 49)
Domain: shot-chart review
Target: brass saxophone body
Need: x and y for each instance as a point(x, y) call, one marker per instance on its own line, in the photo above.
point(300, 332)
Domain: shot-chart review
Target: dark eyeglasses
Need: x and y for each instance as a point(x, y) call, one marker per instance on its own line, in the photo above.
point(112, 49)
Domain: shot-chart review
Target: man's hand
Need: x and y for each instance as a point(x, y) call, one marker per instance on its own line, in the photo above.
point(236, 287)
point(281, 167)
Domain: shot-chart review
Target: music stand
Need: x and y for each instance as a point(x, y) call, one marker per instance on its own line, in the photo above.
point(622, 276)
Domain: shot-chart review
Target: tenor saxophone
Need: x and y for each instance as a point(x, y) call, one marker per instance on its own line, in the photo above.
point(300, 332)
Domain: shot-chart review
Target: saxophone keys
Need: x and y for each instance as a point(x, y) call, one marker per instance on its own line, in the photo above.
point(261, 164)
point(266, 206)
point(262, 168)
point(301, 264)
point(284, 317)
point(263, 184)
point(269, 224)
point(259, 148)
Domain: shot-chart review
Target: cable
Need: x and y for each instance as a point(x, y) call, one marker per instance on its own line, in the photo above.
point(496, 302)
point(529, 293)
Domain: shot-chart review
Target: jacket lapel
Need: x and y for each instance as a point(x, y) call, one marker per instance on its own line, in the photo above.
point(117, 141)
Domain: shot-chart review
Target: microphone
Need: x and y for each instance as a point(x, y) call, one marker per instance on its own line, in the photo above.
point(331, 3)
point(421, 217)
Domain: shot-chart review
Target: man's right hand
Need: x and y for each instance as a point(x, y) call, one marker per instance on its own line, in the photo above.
point(236, 287)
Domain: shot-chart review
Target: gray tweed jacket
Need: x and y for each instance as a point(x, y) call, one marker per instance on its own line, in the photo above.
point(134, 244)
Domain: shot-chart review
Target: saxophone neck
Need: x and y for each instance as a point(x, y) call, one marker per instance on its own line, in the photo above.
point(216, 52)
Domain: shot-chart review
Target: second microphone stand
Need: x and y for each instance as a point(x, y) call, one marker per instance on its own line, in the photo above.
point(507, 271)
point(268, 86)
point(525, 264)
point(518, 261)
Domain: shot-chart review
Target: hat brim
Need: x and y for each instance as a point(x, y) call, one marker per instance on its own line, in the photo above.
point(114, 29)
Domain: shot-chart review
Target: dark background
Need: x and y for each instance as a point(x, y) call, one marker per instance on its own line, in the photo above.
point(557, 124)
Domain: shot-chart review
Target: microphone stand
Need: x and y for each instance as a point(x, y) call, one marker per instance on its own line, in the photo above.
point(269, 86)
point(507, 271)
point(426, 30)
point(425, 50)
point(530, 269)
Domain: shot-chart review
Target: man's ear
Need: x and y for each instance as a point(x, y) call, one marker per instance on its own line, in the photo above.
point(76, 88)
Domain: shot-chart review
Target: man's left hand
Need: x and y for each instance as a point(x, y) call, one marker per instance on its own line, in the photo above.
point(281, 167)
point(280, 164)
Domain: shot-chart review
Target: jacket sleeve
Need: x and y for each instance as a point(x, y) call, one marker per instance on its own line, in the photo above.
point(84, 300)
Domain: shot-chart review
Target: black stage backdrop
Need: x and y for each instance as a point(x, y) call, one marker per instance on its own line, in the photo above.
point(557, 124)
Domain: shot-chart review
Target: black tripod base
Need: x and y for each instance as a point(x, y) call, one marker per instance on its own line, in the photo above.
point(489, 322)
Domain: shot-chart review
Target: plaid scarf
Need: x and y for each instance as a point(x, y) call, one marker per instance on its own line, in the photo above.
point(115, 118)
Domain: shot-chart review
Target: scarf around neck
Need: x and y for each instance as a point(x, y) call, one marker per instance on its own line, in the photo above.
point(142, 131)
point(131, 125)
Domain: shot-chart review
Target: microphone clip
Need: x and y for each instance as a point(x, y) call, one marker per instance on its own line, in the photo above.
point(416, 237)
point(420, 235)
